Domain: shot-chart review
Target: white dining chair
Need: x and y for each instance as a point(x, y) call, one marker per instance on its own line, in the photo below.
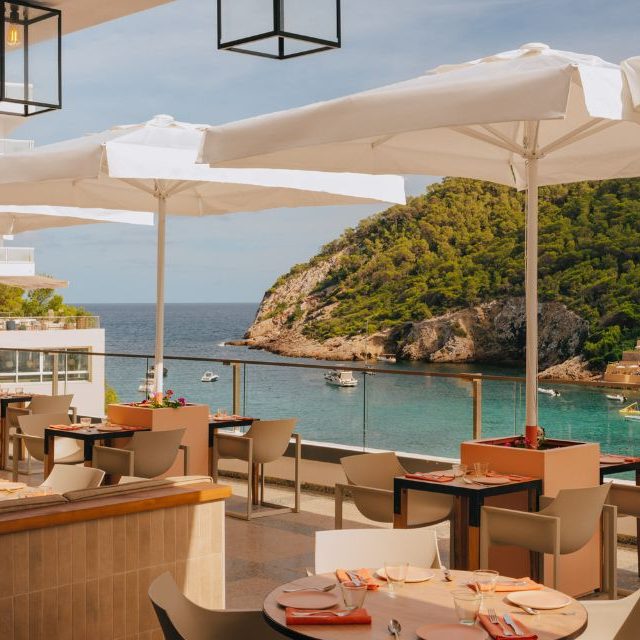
point(182, 619)
point(355, 548)
point(613, 619)
point(65, 478)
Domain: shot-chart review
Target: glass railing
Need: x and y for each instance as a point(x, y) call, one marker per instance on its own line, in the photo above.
point(16, 254)
point(48, 323)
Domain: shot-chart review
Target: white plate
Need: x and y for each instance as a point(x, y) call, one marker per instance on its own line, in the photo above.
point(414, 574)
point(539, 599)
point(490, 480)
point(108, 429)
point(307, 600)
point(450, 632)
point(11, 486)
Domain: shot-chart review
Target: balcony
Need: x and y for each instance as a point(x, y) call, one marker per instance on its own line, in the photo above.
point(10, 145)
point(17, 261)
point(48, 323)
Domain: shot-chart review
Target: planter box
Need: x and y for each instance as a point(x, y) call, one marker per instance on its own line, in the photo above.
point(193, 417)
point(565, 465)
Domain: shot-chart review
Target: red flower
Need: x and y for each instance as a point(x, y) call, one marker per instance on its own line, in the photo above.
point(169, 393)
point(182, 401)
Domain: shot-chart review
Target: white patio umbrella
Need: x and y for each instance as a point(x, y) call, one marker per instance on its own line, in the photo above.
point(523, 118)
point(29, 283)
point(152, 166)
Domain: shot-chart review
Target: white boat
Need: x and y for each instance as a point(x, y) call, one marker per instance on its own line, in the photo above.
point(146, 386)
point(209, 376)
point(618, 397)
point(341, 379)
point(151, 371)
point(549, 392)
point(387, 357)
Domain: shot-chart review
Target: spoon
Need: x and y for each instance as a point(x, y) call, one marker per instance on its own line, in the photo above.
point(394, 627)
point(325, 589)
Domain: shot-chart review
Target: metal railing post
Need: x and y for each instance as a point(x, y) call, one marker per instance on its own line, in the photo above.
point(54, 374)
point(477, 408)
point(237, 379)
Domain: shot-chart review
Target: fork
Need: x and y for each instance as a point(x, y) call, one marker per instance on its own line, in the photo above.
point(329, 587)
point(493, 618)
point(302, 614)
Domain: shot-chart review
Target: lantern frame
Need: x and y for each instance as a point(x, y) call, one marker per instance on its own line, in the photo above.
point(318, 44)
point(29, 106)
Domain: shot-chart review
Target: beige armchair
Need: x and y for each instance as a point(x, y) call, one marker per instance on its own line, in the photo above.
point(31, 433)
point(613, 619)
point(370, 477)
point(181, 619)
point(565, 525)
point(266, 441)
point(65, 478)
point(148, 454)
point(626, 498)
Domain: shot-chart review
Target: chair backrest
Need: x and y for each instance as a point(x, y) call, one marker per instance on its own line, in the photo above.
point(154, 451)
point(579, 511)
point(64, 477)
point(50, 404)
point(270, 438)
point(629, 628)
point(179, 618)
point(375, 470)
point(626, 497)
point(35, 424)
point(358, 548)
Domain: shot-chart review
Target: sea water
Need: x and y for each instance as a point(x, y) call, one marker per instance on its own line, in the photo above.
point(418, 414)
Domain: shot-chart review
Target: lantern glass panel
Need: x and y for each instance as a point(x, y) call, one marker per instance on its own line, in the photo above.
point(245, 18)
point(43, 63)
point(315, 18)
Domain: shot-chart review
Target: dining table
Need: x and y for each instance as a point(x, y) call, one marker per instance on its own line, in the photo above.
point(418, 604)
point(469, 497)
point(5, 401)
point(88, 436)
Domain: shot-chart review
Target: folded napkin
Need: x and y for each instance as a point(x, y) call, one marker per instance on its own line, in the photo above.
point(504, 586)
point(131, 427)
point(65, 427)
point(496, 632)
point(357, 616)
point(431, 477)
point(604, 458)
point(363, 574)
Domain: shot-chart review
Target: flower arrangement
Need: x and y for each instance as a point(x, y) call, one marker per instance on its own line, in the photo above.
point(162, 401)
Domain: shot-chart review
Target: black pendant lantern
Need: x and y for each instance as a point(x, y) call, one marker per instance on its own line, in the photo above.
point(30, 59)
point(279, 29)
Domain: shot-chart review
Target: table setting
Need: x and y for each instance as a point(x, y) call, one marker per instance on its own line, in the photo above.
point(405, 602)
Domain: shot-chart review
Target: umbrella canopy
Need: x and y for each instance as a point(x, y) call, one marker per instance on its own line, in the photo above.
point(524, 118)
point(152, 166)
point(29, 283)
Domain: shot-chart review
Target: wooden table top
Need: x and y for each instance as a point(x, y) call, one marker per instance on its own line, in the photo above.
point(466, 486)
point(416, 605)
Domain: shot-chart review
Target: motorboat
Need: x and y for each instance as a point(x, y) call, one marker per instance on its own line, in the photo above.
point(387, 357)
point(146, 385)
point(618, 397)
point(209, 376)
point(631, 412)
point(549, 392)
point(341, 379)
point(152, 369)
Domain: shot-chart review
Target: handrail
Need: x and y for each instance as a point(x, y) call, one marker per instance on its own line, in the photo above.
point(470, 377)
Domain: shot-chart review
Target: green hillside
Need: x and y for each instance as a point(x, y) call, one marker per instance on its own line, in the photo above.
point(462, 243)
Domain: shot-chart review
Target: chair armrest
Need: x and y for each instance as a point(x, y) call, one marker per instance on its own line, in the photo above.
point(532, 531)
point(185, 458)
point(117, 462)
point(74, 414)
point(24, 436)
point(232, 446)
point(545, 501)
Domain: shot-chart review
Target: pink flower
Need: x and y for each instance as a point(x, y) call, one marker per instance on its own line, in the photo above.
point(169, 393)
point(507, 444)
point(182, 401)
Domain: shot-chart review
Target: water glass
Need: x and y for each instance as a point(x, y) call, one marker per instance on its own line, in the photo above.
point(485, 581)
point(353, 595)
point(467, 605)
point(85, 422)
point(19, 391)
point(480, 468)
point(459, 470)
point(396, 573)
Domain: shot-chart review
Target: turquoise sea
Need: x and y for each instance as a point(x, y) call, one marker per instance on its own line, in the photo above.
point(404, 413)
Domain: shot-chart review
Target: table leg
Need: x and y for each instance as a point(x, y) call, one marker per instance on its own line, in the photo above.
point(535, 558)
point(50, 456)
point(460, 533)
point(4, 438)
point(473, 547)
point(638, 525)
point(256, 483)
point(400, 519)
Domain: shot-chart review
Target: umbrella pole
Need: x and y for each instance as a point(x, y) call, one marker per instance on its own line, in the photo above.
point(531, 298)
point(160, 268)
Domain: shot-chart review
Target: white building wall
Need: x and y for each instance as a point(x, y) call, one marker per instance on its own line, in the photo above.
point(88, 396)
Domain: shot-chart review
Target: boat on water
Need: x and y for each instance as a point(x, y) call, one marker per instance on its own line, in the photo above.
point(630, 412)
point(549, 392)
point(341, 379)
point(209, 376)
point(146, 385)
point(152, 370)
point(617, 397)
point(387, 357)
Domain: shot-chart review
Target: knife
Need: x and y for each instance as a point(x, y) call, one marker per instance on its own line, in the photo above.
point(509, 620)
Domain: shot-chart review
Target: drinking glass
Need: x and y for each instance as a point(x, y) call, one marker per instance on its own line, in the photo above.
point(19, 391)
point(396, 573)
point(467, 605)
point(459, 470)
point(485, 581)
point(86, 423)
point(481, 468)
point(353, 595)
point(221, 412)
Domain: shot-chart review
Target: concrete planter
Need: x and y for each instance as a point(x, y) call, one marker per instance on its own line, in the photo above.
point(193, 417)
point(564, 465)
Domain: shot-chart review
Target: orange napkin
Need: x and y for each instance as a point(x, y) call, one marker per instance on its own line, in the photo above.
point(504, 587)
point(357, 616)
point(615, 455)
point(132, 427)
point(65, 427)
point(431, 477)
point(363, 574)
point(496, 632)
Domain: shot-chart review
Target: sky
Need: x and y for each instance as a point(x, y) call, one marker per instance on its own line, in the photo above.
point(165, 60)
